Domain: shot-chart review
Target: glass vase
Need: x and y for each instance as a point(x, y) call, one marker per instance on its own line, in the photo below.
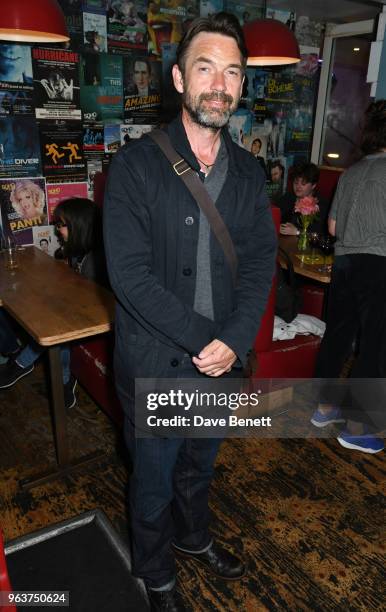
point(303, 240)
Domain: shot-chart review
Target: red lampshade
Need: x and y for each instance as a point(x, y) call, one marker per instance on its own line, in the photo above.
point(270, 42)
point(32, 21)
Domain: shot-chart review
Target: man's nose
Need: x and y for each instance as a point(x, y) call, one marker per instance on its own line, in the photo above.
point(218, 83)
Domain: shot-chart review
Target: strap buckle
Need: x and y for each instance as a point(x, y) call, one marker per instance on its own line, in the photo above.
point(182, 170)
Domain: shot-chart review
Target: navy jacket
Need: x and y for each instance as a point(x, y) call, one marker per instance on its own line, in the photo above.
point(151, 224)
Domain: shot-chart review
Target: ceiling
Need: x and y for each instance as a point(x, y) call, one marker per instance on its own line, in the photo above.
point(335, 11)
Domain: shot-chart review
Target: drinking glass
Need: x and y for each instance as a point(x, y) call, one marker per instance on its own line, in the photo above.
point(326, 245)
point(313, 241)
point(8, 247)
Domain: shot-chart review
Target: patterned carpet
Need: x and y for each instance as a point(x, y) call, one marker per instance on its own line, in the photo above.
point(308, 514)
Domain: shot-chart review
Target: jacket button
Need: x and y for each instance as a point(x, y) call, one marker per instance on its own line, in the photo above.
point(189, 221)
point(174, 362)
point(187, 271)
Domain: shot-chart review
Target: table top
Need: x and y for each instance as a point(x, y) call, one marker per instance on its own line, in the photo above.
point(309, 270)
point(51, 301)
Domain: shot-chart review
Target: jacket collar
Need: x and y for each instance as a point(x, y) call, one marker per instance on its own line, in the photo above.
point(177, 134)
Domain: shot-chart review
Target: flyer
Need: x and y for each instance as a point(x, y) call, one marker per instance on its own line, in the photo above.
point(142, 89)
point(126, 24)
point(16, 83)
point(95, 33)
point(19, 147)
point(62, 151)
point(23, 206)
point(56, 83)
point(101, 89)
point(57, 192)
point(45, 239)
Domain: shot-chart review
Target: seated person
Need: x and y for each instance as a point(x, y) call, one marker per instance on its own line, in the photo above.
point(78, 224)
point(304, 182)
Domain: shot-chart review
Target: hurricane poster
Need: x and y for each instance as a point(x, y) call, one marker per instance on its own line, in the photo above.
point(56, 84)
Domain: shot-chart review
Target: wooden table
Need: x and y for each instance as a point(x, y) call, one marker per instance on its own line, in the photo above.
point(289, 244)
point(54, 305)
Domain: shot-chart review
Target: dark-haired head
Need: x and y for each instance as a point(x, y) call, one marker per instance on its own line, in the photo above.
point(307, 171)
point(374, 130)
point(84, 224)
point(220, 23)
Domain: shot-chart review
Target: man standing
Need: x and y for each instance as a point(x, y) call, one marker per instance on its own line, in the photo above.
point(179, 313)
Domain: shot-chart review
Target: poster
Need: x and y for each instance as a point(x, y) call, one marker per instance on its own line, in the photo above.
point(130, 132)
point(171, 99)
point(210, 7)
point(23, 206)
point(112, 137)
point(56, 83)
point(162, 27)
point(142, 89)
point(101, 90)
point(94, 33)
point(45, 239)
point(93, 137)
point(19, 147)
point(126, 24)
point(57, 192)
point(72, 11)
point(245, 10)
point(16, 83)
point(62, 151)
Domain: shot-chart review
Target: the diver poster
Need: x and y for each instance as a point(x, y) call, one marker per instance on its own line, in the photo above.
point(62, 152)
point(19, 147)
point(23, 205)
point(56, 83)
point(142, 89)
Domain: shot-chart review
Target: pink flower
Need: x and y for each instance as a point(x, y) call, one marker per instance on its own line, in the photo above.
point(307, 206)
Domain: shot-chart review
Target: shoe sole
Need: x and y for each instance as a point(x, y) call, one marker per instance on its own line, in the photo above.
point(21, 375)
point(370, 451)
point(325, 423)
point(188, 556)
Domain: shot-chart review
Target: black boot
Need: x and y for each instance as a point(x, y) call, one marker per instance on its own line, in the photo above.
point(166, 601)
point(218, 560)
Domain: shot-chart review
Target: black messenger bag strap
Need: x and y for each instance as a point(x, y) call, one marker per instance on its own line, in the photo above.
point(200, 194)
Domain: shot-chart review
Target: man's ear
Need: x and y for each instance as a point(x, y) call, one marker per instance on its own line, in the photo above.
point(177, 79)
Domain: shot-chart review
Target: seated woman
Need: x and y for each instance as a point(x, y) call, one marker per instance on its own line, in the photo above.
point(304, 182)
point(78, 224)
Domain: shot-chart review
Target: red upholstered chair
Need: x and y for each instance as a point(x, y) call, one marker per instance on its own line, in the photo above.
point(283, 358)
point(5, 584)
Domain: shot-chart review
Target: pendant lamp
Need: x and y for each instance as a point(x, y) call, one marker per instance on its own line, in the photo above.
point(270, 43)
point(32, 21)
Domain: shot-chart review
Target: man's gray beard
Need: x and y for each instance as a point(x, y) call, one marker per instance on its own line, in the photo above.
point(206, 118)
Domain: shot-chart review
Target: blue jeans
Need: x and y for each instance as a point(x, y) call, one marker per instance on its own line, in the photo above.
point(32, 352)
point(8, 338)
point(168, 496)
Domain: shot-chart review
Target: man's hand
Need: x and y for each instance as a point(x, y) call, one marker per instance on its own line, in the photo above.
point(288, 229)
point(215, 359)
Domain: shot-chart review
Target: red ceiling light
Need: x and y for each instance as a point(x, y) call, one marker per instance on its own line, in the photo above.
point(270, 43)
point(32, 21)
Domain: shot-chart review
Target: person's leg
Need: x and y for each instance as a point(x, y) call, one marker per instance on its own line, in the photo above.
point(150, 499)
point(8, 338)
point(29, 354)
point(192, 477)
point(341, 330)
point(65, 358)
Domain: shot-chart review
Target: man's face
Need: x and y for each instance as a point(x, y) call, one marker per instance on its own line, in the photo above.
point(302, 188)
point(57, 83)
point(212, 83)
point(255, 148)
point(141, 75)
point(276, 174)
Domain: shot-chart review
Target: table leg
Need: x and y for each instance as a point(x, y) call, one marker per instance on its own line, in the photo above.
point(59, 422)
point(59, 426)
